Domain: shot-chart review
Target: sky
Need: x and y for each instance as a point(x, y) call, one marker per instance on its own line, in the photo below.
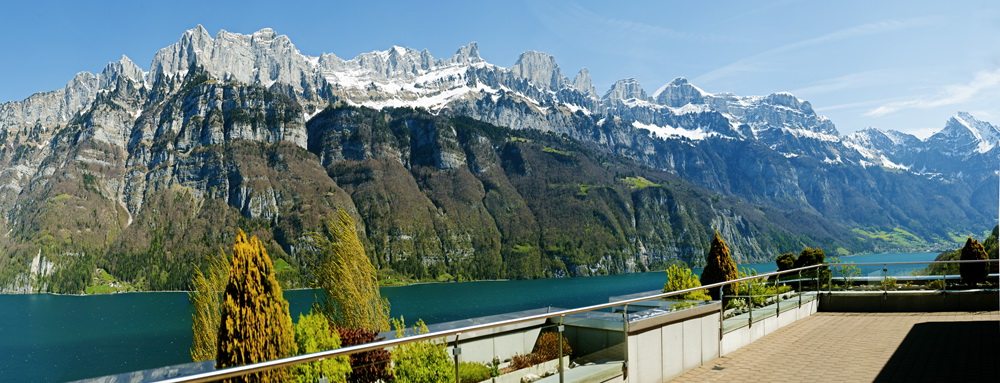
point(902, 65)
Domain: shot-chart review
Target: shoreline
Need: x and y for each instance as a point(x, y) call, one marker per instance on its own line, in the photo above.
point(416, 283)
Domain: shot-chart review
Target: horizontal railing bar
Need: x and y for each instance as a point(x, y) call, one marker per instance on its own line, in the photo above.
point(908, 263)
point(305, 358)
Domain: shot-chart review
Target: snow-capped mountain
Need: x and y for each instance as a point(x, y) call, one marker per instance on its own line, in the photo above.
point(964, 135)
point(531, 94)
point(965, 147)
point(244, 119)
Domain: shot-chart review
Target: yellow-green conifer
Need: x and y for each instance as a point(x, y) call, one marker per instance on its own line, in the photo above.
point(255, 325)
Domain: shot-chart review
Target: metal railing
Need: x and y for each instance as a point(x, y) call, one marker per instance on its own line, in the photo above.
point(457, 332)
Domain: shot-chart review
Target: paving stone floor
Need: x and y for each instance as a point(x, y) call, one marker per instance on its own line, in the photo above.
point(868, 347)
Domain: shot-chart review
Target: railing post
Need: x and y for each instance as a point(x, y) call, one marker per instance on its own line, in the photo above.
point(829, 279)
point(944, 280)
point(800, 289)
point(777, 299)
point(816, 273)
point(625, 349)
point(885, 279)
point(456, 351)
point(561, 328)
point(722, 319)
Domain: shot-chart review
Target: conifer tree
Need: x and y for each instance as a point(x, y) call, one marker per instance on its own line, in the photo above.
point(255, 325)
point(347, 277)
point(206, 302)
point(973, 273)
point(719, 267)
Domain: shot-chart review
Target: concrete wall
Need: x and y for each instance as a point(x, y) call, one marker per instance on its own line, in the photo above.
point(663, 353)
point(665, 347)
point(743, 336)
point(588, 340)
point(910, 301)
point(501, 344)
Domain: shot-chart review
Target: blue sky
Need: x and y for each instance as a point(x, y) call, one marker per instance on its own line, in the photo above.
point(904, 65)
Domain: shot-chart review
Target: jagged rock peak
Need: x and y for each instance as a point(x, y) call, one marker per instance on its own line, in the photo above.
point(266, 33)
point(467, 54)
point(626, 89)
point(882, 139)
point(678, 93)
point(122, 68)
point(583, 83)
point(262, 57)
point(789, 100)
point(538, 68)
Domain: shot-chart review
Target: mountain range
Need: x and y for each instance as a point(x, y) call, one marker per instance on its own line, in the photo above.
point(453, 168)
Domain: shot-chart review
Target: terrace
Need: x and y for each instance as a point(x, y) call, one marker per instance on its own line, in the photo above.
point(844, 322)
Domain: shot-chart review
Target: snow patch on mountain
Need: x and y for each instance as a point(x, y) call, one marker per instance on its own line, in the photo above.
point(666, 132)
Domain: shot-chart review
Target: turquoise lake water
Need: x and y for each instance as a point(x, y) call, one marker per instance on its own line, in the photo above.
point(48, 338)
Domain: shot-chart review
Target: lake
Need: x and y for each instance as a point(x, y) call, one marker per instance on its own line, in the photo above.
point(47, 337)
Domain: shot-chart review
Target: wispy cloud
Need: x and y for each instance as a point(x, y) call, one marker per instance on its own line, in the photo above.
point(848, 81)
point(852, 105)
point(948, 95)
point(580, 20)
point(761, 60)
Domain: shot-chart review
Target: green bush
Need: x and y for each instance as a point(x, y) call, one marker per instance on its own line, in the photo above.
point(757, 291)
point(680, 278)
point(313, 334)
point(889, 283)
point(472, 372)
point(420, 362)
point(848, 272)
point(937, 284)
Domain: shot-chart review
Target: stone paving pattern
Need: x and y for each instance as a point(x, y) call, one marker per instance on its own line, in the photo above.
point(867, 347)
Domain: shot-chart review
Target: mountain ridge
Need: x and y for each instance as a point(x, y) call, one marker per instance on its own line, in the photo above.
point(247, 128)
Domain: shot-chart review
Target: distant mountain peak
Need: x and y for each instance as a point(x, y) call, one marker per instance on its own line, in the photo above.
point(538, 68)
point(678, 93)
point(965, 131)
point(626, 89)
point(265, 33)
point(583, 83)
point(467, 54)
